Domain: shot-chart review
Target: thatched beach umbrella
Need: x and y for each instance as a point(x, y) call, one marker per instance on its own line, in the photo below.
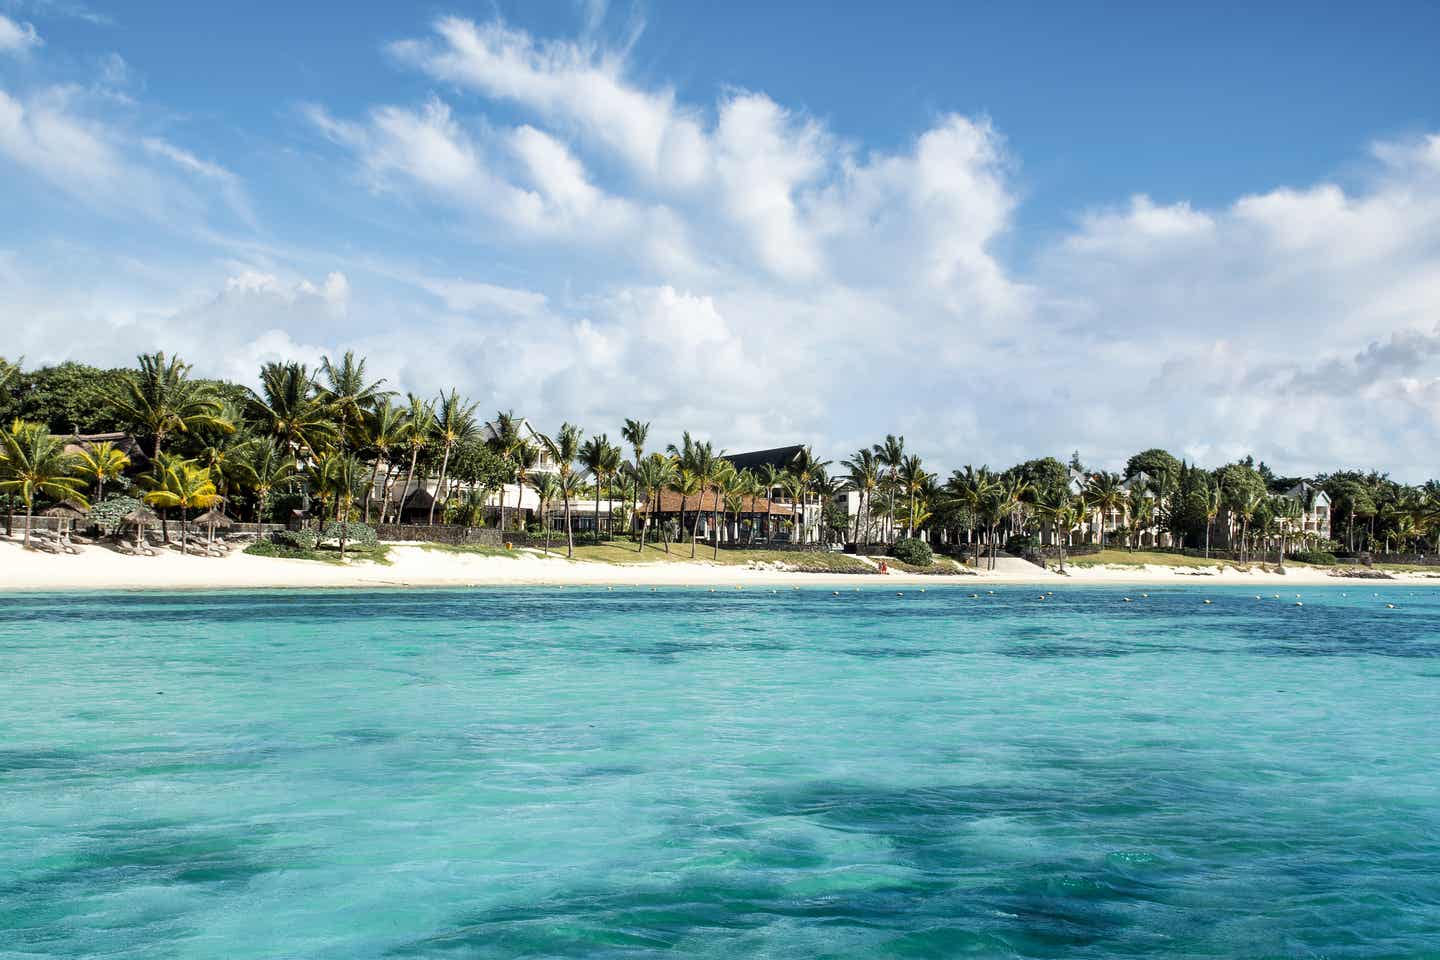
point(212, 518)
point(139, 517)
point(68, 511)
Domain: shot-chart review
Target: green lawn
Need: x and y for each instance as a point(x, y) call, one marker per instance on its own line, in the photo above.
point(474, 549)
point(1137, 558)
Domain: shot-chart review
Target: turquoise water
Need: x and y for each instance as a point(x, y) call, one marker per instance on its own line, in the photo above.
point(583, 773)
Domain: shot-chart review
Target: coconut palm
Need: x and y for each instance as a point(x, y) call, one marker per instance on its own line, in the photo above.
point(599, 458)
point(968, 489)
point(159, 399)
point(1104, 495)
point(889, 455)
point(811, 470)
point(415, 436)
point(863, 476)
point(182, 485)
point(547, 488)
point(9, 370)
point(726, 481)
point(454, 423)
point(524, 458)
point(349, 396)
point(564, 449)
point(1246, 504)
point(654, 474)
point(912, 477)
point(341, 476)
point(99, 463)
point(1214, 500)
point(505, 439)
point(773, 478)
point(688, 483)
point(33, 463)
point(288, 409)
point(272, 468)
point(635, 433)
point(382, 431)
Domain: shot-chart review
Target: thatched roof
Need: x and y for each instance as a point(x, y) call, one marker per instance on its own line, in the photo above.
point(214, 517)
point(66, 510)
point(140, 514)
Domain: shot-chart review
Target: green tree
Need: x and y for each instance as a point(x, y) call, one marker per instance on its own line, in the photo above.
point(564, 449)
point(160, 400)
point(100, 463)
point(454, 422)
point(33, 463)
point(182, 485)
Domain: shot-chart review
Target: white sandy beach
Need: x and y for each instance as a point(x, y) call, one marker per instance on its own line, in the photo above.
point(414, 566)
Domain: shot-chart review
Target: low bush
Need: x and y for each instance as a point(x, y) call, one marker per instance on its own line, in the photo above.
point(1320, 558)
point(359, 534)
point(275, 548)
point(304, 540)
point(912, 551)
point(110, 513)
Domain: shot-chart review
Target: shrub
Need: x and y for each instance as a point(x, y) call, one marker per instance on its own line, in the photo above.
point(1021, 544)
point(276, 548)
point(356, 533)
point(912, 551)
point(108, 513)
point(1321, 558)
point(304, 540)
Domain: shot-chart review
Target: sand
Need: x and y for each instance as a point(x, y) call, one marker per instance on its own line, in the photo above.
point(99, 568)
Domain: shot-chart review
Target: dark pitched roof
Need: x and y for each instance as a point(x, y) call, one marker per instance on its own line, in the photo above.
point(780, 457)
point(670, 502)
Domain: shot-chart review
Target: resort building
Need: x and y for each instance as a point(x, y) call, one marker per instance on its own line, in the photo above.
point(1314, 522)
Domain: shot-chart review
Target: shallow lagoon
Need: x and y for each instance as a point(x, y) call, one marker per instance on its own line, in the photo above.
point(591, 773)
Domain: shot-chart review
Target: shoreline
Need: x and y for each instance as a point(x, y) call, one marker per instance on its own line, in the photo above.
point(414, 566)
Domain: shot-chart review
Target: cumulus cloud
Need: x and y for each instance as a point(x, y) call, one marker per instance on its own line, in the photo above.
point(17, 37)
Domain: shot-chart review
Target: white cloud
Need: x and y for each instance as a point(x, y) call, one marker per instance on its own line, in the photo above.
point(17, 37)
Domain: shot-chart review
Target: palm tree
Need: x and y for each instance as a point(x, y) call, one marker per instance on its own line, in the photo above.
point(182, 485)
point(341, 475)
point(773, 478)
point(912, 477)
point(863, 476)
point(454, 422)
point(349, 397)
point(288, 409)
point(597, 456)
point(1104, 495)
point(890, 455)
point(564, 448)
point(505, 439)
point(547, 488)
point(686, 482)
point(1247, 504)
point(634, 433)
point(1058, 508)
point(9, 370)
point(419, 427)
point(969, 488)
point(1214, 500)
point(100, 463)
point(811, 471)
point(273, 468)
point(382, 430)
point(654, 474)
point(524, 457)
point(33, 462)
point(160, 399)
point(726, 482)
point(796, 488)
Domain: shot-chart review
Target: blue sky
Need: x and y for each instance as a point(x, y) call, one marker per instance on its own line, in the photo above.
point(1024, 228)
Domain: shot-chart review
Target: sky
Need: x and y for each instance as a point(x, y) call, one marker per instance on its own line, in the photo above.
point(1003, 231)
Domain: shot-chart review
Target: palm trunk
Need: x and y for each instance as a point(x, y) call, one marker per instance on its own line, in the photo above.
point(644, 523)
point(910, 520)
point(29, 519)
point(695, 530)
point(569, 530)
point(440, 487)
point(405, 490)
point(502, 508)
point(597, 511)
point(184, 529)
point(370, 488)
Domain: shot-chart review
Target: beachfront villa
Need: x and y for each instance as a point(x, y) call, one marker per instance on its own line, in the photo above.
point(1314, 521)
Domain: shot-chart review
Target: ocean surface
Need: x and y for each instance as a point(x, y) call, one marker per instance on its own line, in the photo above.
point(571, 772)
